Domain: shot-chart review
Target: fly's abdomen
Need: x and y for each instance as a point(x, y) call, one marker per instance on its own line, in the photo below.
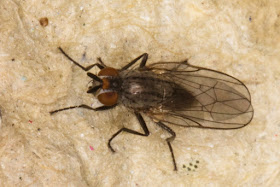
point(143, 90)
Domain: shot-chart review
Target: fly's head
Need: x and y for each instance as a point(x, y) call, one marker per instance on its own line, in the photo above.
point(109, 87)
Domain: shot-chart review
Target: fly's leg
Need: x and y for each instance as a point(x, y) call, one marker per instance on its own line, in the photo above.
point(169, 140)
point(142, 64)
point(143, 125)
point(101, 62)
point(100, 65)
point(85, 107)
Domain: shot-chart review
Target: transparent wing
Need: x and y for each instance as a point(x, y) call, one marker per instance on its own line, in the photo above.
point(218, 100)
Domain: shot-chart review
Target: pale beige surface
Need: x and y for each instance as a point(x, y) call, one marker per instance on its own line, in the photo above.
point(241, 38)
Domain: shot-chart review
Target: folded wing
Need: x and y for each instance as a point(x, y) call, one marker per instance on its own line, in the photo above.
point(220, 101)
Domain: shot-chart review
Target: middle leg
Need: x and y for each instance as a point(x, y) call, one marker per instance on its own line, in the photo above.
point(143, 125)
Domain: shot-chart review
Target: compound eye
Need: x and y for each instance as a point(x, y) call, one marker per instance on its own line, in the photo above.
point(108, 71)
point(108, 98)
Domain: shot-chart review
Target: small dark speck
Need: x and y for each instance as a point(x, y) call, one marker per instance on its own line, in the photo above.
point(250, 18)
point(44, 21)
point(195, 166)
point(189, 169)
point(20, 178)
point(197, 161)
point(13, 59)
point(184, 166)
point(38, 129)
point(190, 164)
point(84, 56)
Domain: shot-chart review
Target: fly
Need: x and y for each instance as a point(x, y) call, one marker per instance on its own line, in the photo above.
point(170, 93)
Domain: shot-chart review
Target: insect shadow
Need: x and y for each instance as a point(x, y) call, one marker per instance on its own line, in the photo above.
point(174, 93)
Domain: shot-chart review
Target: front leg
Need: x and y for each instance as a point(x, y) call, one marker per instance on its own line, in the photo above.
point(85, 107)
point(100, 65)
point(142, 64)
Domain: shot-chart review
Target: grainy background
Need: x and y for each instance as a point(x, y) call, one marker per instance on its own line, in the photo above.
point(239, 37)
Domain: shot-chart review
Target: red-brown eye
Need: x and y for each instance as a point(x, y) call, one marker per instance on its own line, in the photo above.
point(108, 98)
point(108, 71)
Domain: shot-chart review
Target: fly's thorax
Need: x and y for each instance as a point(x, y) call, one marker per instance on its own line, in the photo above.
point(144, 89)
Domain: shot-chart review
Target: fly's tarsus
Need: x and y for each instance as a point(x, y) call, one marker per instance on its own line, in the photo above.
point(142, 124)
